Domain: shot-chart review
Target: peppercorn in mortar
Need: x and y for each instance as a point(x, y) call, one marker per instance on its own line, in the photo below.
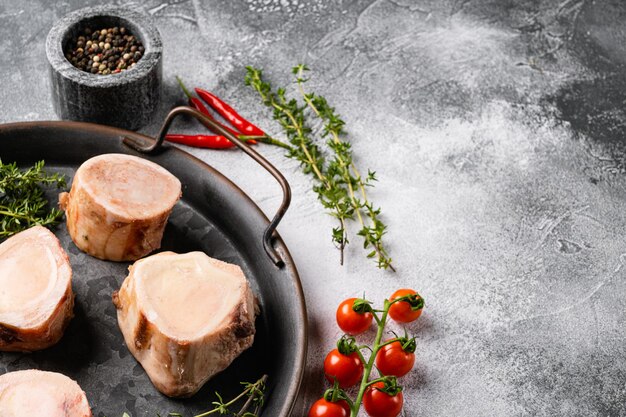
point(105, 51)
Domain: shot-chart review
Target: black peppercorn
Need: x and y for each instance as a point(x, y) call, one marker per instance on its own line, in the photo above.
point(105, 51)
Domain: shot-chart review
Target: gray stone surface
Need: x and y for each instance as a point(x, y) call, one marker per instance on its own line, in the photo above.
point(497, 131)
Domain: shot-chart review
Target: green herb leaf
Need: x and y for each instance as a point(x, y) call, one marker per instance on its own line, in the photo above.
point(337, 180)
point(22, 200)
point(254, 393)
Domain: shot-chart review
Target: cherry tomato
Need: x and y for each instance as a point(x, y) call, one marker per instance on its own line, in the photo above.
point(344, 404)
point(401, 311)
point(346, 369)
point(391, 359)
point(350, 321)
point(324, 408)
point(380, 404)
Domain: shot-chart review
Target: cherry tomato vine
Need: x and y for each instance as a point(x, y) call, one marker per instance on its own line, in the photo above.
point(392, 358)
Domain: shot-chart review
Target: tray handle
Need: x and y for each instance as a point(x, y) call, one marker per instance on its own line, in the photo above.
point(216, 128)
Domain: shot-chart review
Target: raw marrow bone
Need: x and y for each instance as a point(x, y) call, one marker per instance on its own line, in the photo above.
point(35, 393)
point(36, 298)
point(185, 317)
point(118, 206)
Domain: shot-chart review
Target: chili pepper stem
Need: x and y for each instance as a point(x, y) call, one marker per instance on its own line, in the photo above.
point(370, 364)
point(266, 139)
point(182, 85)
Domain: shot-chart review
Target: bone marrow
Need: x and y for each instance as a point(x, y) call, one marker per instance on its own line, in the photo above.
point(185, 317)
point(118, 206)
point(36, 299)
point(41, 394)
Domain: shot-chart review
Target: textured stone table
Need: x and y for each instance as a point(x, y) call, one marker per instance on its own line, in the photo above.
point(498, 133)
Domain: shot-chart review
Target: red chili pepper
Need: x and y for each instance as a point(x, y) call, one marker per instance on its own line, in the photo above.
point(201, 141)
point(228, 113)
point(197, 104)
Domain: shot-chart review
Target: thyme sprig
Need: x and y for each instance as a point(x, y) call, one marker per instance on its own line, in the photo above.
point(291, 116)
point(344, 168)
point(22, 200)
point(253, 392)
point(338, 181)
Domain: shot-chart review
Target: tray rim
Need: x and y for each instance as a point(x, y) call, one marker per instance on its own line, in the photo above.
point(301, 354)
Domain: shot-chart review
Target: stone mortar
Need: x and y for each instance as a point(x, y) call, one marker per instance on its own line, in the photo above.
point(127, 99)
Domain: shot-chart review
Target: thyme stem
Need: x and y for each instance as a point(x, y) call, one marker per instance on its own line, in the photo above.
point(348, 171)
point(22, 200)
point(255, 394)
point(291, 117)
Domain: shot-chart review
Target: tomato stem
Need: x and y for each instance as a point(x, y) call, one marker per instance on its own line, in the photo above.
point(378, 320)
point(335, 391)
point(361, 355)
point(390, 341)
point(373, 381)
point(409, 345)
point(370, 363)
point(403, 298)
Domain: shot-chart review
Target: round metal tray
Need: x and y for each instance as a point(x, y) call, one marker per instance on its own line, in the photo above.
point(214, 216)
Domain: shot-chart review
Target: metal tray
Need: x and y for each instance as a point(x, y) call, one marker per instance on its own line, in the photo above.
point(214, 216)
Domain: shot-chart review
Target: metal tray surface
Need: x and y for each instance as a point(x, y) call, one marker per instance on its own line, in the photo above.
point(214, 216)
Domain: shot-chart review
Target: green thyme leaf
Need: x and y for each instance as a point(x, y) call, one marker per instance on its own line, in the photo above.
point(339, 186)
point(22, 200)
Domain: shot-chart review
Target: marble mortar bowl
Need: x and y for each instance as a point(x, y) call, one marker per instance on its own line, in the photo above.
point(127, 99)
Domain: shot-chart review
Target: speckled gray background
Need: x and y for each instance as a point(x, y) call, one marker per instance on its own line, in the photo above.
point(497, 131)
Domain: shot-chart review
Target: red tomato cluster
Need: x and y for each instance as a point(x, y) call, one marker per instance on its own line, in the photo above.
point(345, 366)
